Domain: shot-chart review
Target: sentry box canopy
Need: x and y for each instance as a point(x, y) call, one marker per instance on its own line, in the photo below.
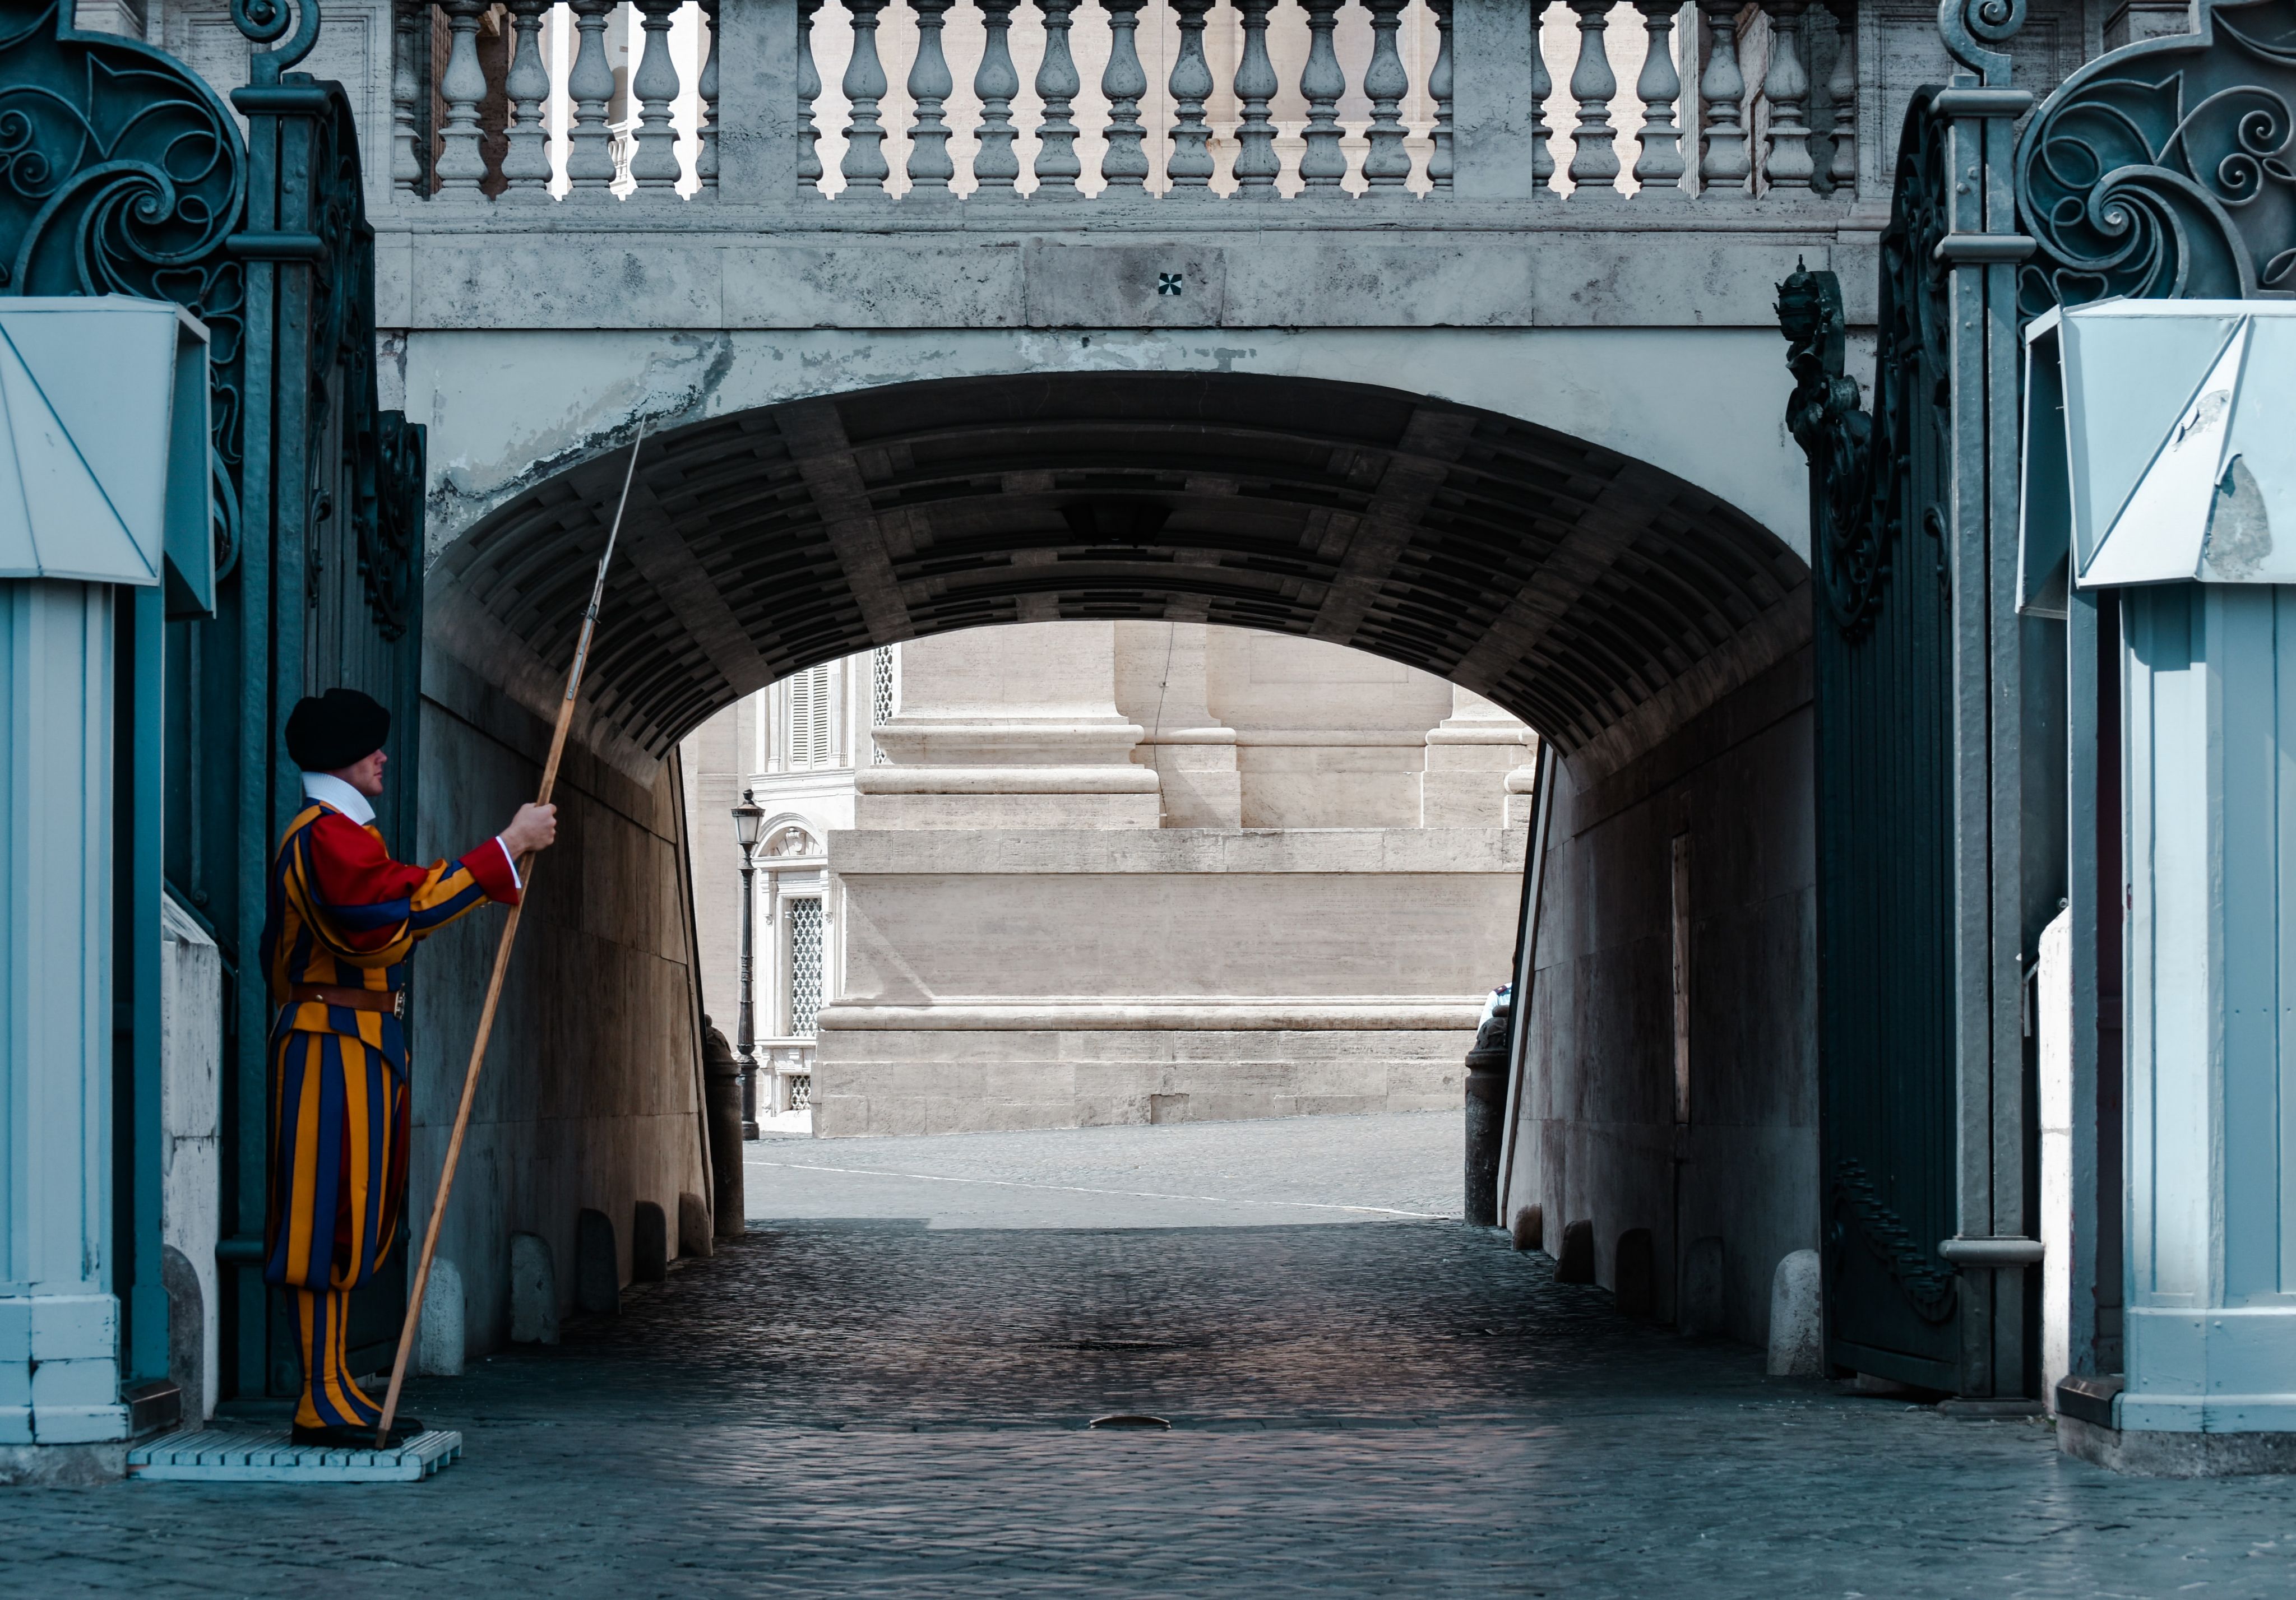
point(104, 460)
point(2160, 446)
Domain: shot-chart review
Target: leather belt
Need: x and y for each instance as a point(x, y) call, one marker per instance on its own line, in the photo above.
point(393, 1000)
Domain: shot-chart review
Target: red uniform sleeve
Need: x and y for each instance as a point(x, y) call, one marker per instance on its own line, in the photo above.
point(353, 869)
point(490, 864)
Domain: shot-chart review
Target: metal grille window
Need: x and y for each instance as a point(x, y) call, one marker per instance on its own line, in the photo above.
point(805, 737)
point(804, 967)
point(881, 697)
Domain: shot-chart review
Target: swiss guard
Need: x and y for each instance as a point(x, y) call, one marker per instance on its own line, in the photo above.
point(343, 923)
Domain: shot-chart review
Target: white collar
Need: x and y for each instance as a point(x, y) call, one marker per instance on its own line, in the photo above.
point(333, 791)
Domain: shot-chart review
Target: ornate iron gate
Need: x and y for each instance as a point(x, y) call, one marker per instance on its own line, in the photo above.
point(1922, 701)
point(1883, 660)
point(121, 172)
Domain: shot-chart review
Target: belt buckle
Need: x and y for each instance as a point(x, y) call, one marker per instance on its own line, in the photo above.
point(399, 1004)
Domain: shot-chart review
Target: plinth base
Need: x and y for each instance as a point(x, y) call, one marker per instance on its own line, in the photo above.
point(2145, 1453)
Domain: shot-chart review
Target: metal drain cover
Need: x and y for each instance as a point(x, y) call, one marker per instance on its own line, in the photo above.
point(1129, 1419)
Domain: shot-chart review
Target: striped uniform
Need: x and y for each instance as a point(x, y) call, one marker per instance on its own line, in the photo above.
point(343, 914)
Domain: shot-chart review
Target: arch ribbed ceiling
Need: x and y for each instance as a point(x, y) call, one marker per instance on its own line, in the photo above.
point(1572, 585)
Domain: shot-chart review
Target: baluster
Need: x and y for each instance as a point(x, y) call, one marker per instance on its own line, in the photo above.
point(1723, 165)
point(1542, 89)
point(1124, 163)
point(929, 166)
point(809, 90)
point(995, 165)
point(1191, 166)
point(1387, 164)
point(461, 166)
point(1787, 164)
point(654, 87)
point(1842, 86)
point(1057, 168)
point(526, 163)
point(1439, 88)
point(705, 121)
point(1593, 163)
point(1322, 163)
point(1658, 160)
point(407, 40)
point(590, 84)
point(864, 87)
point(1256, 162)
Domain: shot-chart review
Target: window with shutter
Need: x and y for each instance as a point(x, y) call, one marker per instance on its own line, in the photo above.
point(807, 736)
point(882, 702)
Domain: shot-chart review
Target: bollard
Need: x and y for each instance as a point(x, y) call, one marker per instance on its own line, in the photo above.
point(721, 1078)
point(1529, 1228)
point(1486, 1066)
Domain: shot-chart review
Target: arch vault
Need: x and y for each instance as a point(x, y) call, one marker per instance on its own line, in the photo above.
point(1592, 594)
point(1657, 634)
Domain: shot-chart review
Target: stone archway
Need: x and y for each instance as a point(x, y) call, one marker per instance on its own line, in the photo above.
point(1656, 633)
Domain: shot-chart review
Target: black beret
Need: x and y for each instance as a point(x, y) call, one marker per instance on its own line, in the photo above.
point(332, 730)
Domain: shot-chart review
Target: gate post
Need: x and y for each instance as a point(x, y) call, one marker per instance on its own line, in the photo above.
point(1993, 1250)
point(1936, 821)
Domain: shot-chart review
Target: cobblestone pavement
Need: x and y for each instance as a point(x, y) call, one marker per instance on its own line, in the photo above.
point(875, 1404)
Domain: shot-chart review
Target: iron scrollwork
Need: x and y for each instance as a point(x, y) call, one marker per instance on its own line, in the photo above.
point(1977, 33)
point(2167, 169)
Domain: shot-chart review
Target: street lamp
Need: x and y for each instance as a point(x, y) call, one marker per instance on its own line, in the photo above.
point(749, 819)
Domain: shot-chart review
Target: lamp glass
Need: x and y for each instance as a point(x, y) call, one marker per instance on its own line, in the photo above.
point(749, 818)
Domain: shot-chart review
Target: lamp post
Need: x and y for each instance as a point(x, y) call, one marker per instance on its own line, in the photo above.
point(748, 817)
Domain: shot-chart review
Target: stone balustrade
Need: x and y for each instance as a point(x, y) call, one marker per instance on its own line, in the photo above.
point(784, 1075)
point(1338, 102)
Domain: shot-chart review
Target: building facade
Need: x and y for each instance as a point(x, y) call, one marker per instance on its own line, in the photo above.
point(1079, 872)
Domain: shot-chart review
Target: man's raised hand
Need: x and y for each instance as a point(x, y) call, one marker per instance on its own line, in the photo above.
point(535, 828)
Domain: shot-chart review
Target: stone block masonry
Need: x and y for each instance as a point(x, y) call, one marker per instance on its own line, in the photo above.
point(1064, 977)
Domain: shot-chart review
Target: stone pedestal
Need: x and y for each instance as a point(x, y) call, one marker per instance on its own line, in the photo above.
point(2209, 831)
point(1161, 684)
point(1059, 978)
point(1010, 727)
point(1471, 755)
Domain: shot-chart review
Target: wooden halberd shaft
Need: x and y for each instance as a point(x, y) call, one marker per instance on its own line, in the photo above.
point(501, 965)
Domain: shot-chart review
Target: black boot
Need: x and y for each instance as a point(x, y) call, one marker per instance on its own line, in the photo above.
point(361, 1437)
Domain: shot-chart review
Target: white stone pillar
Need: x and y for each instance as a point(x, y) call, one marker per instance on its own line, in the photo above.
point(191, 1010)
point(1470, 755)
point(1161, 684)
point(2052, 1028)
point(59, 1321)
point(1009, 728)
point(2209, 825)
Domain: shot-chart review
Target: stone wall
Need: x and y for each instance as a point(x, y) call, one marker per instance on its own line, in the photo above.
point(591, 1094)
point(1598, 1137)
point(1052, 978)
